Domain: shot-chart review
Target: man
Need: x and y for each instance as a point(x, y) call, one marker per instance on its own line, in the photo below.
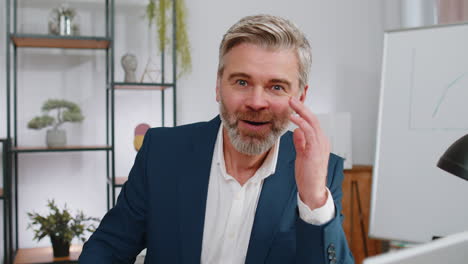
point(239, 188)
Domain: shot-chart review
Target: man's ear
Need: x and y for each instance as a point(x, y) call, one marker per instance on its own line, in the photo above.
point(304, 94)
point(218, 86)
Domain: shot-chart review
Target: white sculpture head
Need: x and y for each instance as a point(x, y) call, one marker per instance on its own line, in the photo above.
point(129, 62)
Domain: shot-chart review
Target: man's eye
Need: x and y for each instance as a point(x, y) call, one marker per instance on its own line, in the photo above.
point(242, 82)
point(277, 87)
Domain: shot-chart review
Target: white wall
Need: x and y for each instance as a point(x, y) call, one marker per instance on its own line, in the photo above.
point(346, 38)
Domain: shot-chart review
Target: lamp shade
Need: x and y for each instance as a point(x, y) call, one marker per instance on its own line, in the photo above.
point(455, 158)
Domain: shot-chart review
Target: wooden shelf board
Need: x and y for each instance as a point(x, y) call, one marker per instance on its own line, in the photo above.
point(139, 87)
point(66, 148)
point(119, 181)
point(87, 3)
point(45, 41)
point(45, 255)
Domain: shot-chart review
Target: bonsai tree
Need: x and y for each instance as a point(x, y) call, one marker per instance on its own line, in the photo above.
point(66, 112)
point(158, 12)
point(61, 227)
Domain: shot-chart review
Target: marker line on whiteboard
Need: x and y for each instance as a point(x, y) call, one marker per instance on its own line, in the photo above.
point(441, 99)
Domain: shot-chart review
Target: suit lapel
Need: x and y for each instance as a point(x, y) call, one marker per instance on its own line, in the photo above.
point(193, 189)
point(276, 193)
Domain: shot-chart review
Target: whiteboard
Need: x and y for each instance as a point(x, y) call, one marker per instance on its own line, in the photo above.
point(423, 109)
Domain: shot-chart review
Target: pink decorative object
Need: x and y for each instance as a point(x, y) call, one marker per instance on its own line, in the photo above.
point(140, 132)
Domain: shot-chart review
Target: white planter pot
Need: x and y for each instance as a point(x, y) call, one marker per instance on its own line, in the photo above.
point(56, 138)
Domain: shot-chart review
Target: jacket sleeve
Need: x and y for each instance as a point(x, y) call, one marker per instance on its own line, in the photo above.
point(120, 235)
point(325, 244)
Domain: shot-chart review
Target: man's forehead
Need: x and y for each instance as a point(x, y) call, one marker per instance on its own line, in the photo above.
point(254, 60)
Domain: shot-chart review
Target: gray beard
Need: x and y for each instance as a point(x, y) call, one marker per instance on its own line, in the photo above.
point(249, 145)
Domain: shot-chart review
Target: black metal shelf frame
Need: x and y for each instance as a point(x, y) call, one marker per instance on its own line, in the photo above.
point(7, 202)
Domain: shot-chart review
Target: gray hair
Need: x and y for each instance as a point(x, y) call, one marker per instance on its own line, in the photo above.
point(269, 32)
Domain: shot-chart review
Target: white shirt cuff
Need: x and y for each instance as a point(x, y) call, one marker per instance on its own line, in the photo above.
point(318, 216)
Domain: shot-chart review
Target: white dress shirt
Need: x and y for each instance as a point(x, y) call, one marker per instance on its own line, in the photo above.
point(230, 209)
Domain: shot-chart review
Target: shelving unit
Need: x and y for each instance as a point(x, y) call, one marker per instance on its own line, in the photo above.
point(16, 41)
point(118, 182)
point(105, 43)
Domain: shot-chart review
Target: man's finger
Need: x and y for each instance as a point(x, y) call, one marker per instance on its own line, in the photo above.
point(305, 113)
point(309, 132)
point(299, 140)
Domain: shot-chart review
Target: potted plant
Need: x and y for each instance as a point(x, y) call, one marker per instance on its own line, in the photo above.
point(61, 227)
point(65, 112)
point(158, 12)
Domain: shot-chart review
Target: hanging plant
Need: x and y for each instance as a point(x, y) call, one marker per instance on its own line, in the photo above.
point(159, 12)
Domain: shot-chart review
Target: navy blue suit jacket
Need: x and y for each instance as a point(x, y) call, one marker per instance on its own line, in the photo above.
point(162, 207)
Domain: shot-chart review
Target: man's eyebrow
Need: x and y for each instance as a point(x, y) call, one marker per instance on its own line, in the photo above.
point(284, 81)
point(238, 74)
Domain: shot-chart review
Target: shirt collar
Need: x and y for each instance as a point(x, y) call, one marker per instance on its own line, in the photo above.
point(266, 169)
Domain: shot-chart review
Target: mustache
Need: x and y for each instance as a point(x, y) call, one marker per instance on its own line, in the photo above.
point(255, 116)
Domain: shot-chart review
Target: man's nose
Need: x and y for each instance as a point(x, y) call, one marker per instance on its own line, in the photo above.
point(257, 99)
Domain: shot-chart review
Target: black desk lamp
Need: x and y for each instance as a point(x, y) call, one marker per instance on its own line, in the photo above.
point(455, 158)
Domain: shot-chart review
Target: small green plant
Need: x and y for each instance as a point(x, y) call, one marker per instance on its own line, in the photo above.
point(64, 10)
point(66, 112)
point(158, 11)
point(60, 225)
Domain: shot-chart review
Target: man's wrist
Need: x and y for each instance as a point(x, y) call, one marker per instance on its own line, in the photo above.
point(318, 216)
point(315, 199)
